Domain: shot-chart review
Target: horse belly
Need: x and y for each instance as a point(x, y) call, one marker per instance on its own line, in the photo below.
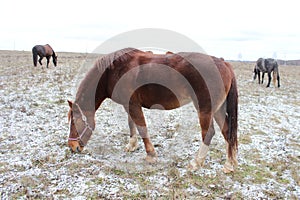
point(155, 96)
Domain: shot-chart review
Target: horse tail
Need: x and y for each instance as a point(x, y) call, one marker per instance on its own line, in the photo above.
point(232, 113)
point(34, 56)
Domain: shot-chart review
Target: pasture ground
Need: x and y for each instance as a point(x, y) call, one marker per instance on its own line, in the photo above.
point(35, 162)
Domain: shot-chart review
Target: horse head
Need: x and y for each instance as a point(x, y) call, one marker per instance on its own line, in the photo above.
point(81, 126)
point(54, 57)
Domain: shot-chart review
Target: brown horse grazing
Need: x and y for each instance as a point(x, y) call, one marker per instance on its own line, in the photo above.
point(43, 51)
point(139, 79)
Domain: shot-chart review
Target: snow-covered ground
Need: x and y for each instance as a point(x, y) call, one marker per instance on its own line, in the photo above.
point(35, 161)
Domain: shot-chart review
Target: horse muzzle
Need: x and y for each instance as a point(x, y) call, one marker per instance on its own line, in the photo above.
point(75, 146)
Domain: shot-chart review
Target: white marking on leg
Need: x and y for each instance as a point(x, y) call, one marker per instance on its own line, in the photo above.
point(228, 167)
point(132, 144)
point(229, 164)
point(199, 159)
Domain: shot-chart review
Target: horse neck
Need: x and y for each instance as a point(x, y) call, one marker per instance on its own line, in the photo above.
point(92, 90)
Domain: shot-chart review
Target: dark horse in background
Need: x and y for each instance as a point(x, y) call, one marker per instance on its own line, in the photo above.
point(137, 79)
point(267, 66)
point(43, 51)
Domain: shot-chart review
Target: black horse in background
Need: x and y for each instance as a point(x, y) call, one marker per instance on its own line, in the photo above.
point(43, 51)
point(266, 66)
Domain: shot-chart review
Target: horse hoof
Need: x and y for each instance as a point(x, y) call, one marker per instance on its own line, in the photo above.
point(132, 145)
point(227, 171)
point(198, 161)
point(130, 148)
point(151, 158)
point(193, 166)
point(228, 168)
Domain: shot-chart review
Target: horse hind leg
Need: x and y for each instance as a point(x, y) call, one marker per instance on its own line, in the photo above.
point(222, 121)
point(133, 140)
point(208, 132)
point(40, 60)
point(276, 74)
point(274, 79)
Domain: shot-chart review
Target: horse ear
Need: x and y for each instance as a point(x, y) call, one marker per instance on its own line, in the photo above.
point(70, 103)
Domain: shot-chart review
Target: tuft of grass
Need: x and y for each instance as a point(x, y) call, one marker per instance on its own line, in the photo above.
point(295, 174)
point(118, 172)
point(60, 101)
point(260, 132)
point(245, 139)
point(254, 156)
point(62, 192)
point(129, 195)
point(254, 174)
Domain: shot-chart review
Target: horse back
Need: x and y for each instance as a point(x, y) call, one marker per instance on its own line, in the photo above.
point(173, 79)
point(39, 50)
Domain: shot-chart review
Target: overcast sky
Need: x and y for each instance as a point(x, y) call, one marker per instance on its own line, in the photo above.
point(231, 29)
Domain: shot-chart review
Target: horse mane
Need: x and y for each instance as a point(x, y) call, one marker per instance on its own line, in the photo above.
point(110, 60)
point(53, 53)
point(93, 76)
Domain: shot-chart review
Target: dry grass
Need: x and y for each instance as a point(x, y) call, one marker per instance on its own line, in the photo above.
point(36, 163)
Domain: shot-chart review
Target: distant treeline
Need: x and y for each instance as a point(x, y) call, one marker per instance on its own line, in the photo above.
point(289, 62)
point(280, 62)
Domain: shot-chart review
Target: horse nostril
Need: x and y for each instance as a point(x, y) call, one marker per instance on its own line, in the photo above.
point(77, 149)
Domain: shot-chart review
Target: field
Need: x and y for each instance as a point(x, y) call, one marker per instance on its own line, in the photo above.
point(35, 162)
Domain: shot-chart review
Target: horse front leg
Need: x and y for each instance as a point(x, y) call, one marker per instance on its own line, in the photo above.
point(270, 77)
point(208, 132)
point(262, 78)
point(278, 79)
point(258, 74)
point(133, 140)
point(136, 114)
point(48, 60)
